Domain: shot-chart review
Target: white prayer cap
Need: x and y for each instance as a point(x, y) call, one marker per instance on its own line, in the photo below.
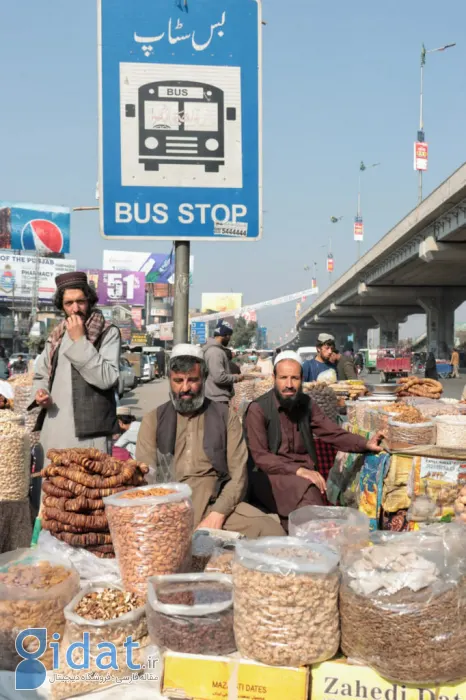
point(288, 355)
point(186, 350)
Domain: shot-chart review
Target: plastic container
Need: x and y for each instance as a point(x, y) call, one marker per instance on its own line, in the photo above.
point(403, 435)
point(151, 528)
point(402, 606)
point(338, 528)
point(451, 431)
point(34, 591)
point(15, 458)
point(192, 613)
point(115, 630)
point(286, 601)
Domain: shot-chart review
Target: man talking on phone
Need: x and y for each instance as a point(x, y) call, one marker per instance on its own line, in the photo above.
point(76, 374)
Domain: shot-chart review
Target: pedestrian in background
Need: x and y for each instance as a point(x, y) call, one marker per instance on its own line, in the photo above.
point(321, 362)
point(220, 380)
point(455, 363)
point(431, 367)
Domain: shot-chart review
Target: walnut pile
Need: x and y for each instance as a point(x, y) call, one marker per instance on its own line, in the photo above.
point(107, 604)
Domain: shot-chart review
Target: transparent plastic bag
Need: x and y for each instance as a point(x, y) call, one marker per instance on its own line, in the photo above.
point(15, 458)
point(34, 591)
point(204, 544)
point(90, 568)
point(221, 561)
point(336, 527)
point(327, 377)
point(286, 601)
point(451, 431)
point(191, 613)
point(114, 630)
point(403, 435)
point(151, 528)
point(403, 606)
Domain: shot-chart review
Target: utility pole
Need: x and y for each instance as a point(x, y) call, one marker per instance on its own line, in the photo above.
point(358, 224)
point(181, 293)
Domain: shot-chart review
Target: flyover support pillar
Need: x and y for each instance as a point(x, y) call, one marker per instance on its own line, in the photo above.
point(389, 330)
point(360, 335)
point(440, 311)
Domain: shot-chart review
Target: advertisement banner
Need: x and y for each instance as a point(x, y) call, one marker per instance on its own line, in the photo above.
point(138, 339)
point(125, 330)
point(314, 283)
point(118, 287)
point(166, 331)
point(421, 153)
point(136, 317)
point(161, 312)
point(330, 263)
point(34, 227)
point(213, 301)
point(198, 333)
point(158, 267)
point(358, 229)
point(19, 274)
point(250, 316)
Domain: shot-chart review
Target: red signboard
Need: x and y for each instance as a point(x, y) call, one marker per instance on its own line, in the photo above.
point(358, 229)
point(330, 263)
point(421, 153)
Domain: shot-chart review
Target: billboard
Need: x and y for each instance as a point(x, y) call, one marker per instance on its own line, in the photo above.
point(358, 229)
point(34, 227)
point(136, 317)
point(19, 274)
point(166, 331)
point(421, 154)
point(118, 287)
point(159, 268)
point(213, 301)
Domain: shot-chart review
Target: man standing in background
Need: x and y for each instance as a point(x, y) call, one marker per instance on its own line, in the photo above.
point(220, 380)
point(325, 347)
point(455, 363)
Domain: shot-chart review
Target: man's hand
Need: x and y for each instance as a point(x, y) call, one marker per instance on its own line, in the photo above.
point(373, 445)
point(314, 477)
point(75, 327)
point(214, 521)
point(43, 398)
point(239, 378)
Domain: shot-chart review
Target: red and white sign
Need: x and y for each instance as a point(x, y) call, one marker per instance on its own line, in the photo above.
point(136, 316)
point(330, 263)
point(421, 153)
point(314, 283)
point(358, 230)
point(250, 316)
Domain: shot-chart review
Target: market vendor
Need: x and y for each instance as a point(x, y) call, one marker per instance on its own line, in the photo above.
point(345, 366)
point(281, 426)
point(76, 374)
point(129, 427)
point(321, 362)
point(205, 442)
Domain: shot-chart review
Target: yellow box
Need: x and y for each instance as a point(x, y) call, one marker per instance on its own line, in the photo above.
point(339, 680)
point(216, 677)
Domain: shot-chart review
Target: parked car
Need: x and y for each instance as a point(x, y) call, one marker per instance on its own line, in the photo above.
point(127, 380)
point(148, 369)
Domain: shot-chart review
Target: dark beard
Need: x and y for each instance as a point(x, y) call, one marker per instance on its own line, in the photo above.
point(292, 405)
point(189, 405)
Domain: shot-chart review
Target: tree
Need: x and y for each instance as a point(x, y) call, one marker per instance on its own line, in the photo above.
point(243, 333)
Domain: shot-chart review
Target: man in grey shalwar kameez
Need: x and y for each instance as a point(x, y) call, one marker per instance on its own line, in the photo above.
point(76, 375)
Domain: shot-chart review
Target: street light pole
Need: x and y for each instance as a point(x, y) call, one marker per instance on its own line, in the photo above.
point(362, 168)
point(421, 135)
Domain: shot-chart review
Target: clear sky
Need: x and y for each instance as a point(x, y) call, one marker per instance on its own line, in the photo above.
point(341, 85)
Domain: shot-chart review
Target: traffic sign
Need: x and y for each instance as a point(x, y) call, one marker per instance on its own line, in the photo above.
point(199, 332)
point(180, 119)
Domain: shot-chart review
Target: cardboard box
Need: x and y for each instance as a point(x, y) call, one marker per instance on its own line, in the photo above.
point(231, 678)
point(339, 680)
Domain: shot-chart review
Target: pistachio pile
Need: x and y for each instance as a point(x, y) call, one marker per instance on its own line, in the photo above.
point(108, 604)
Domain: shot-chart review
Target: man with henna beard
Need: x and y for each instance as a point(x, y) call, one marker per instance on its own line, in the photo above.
point(280, 428)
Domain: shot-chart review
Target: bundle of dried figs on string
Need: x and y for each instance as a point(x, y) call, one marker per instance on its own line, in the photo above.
point(74, 484)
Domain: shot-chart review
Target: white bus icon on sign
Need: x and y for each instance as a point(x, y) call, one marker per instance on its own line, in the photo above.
point(181, 122)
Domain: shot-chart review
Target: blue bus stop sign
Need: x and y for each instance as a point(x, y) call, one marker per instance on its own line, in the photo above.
point(180, 119)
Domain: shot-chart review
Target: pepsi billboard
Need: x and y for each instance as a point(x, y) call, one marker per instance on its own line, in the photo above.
point(35, 227)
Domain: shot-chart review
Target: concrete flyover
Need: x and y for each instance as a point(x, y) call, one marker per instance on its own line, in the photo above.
point(419, 266)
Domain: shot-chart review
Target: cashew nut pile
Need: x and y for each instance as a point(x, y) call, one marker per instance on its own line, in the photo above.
point(15, 459)
point(75, 483)
point(32, 595)
point(151, 531)
point(287, 618)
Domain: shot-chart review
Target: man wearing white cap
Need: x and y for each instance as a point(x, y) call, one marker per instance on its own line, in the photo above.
point(203, 441)
point(325, 347)
point(280, 428)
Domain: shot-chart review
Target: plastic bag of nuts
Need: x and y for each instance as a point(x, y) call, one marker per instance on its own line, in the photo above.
point(107, 613)
point(34, 591)
point(286, 601)
point(403, 435)
point(151, 528)
point(191, 613)
point(221, 560)
point(205, 542)
point(15, 458)
point(339, 528)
